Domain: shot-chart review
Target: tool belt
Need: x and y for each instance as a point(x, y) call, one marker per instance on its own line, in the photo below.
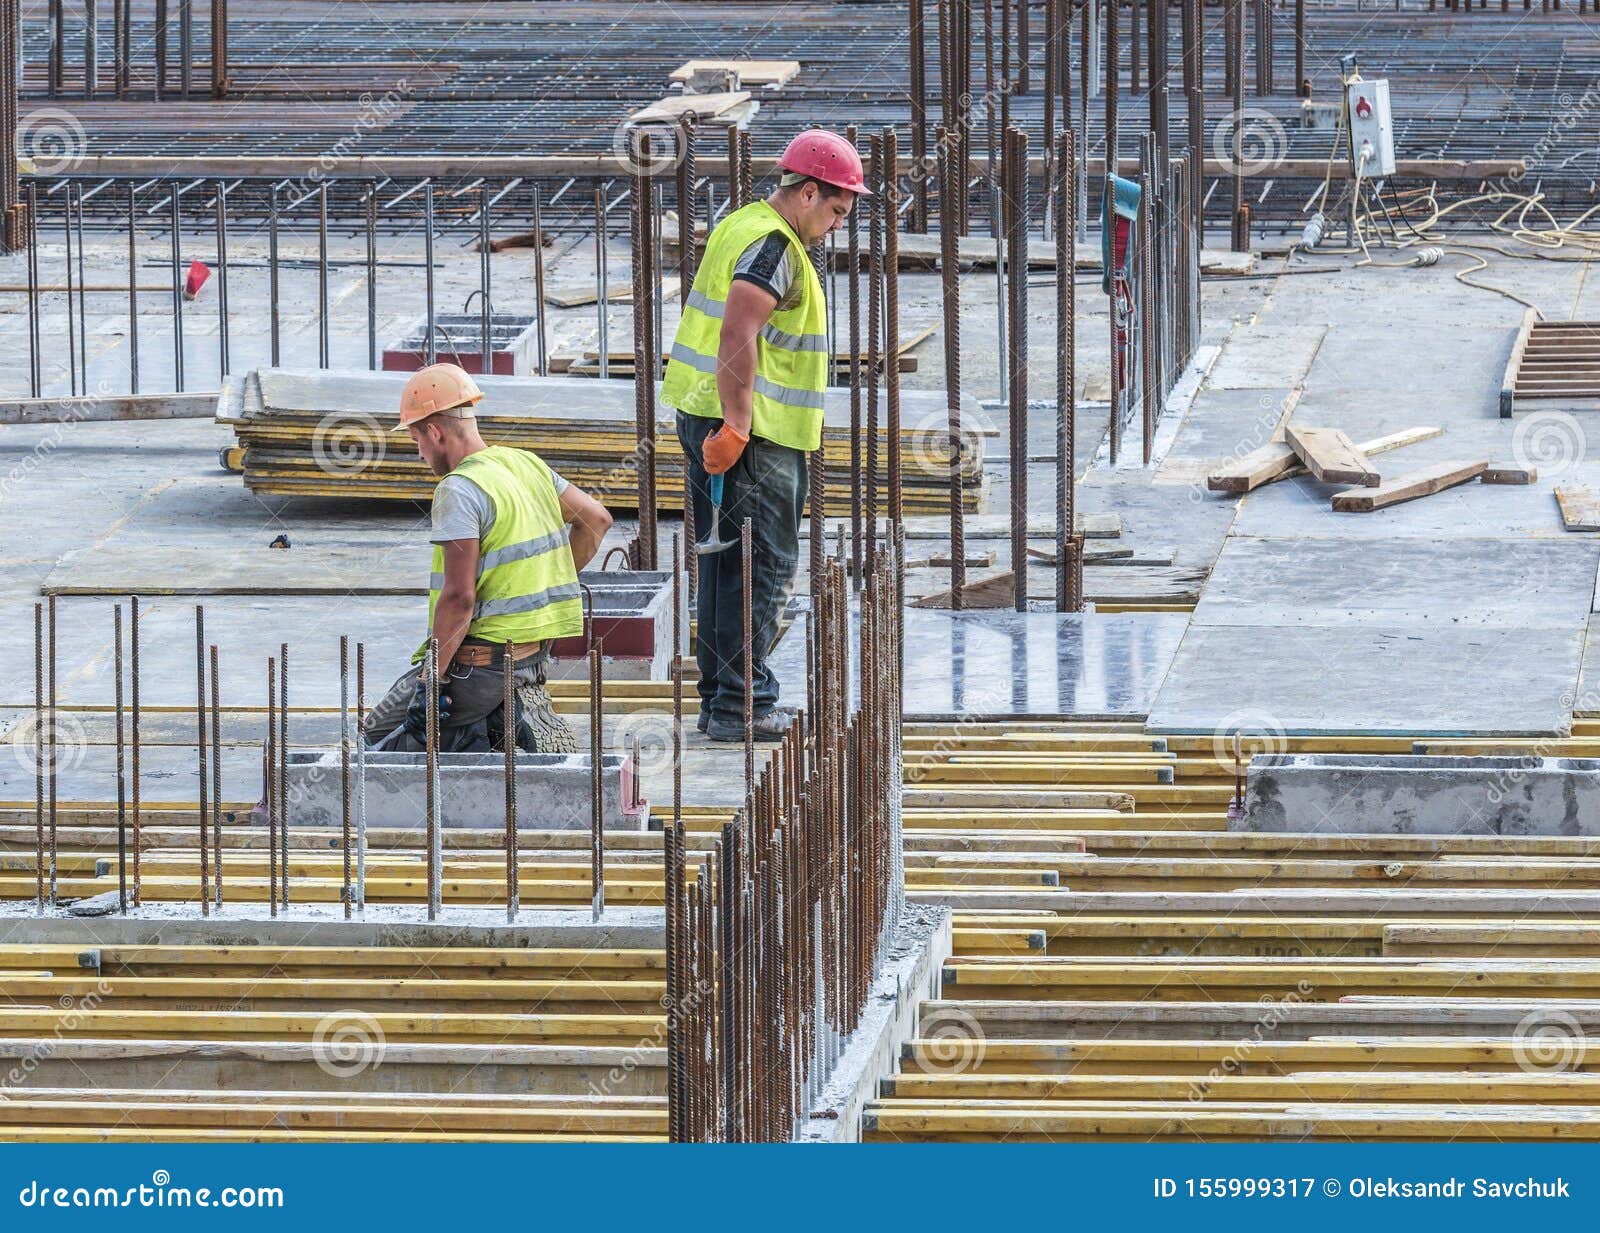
point(488, 654)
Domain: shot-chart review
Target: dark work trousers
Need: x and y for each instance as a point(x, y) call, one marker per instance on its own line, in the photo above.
point(475, 694)
point(768, 486)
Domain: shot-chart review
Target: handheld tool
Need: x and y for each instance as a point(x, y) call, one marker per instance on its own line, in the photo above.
point(714, 542)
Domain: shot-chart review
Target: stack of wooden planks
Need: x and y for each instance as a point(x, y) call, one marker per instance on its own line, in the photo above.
point(326, 433)
point(1331, 457)
point(1165, 978)
point(162, 1043)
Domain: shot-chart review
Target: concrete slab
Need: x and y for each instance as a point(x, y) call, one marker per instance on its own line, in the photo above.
point(1367, 794)
point(554, 789)
point(1260, 356)
point(301, 924)
point(1543, 584)
point(1399, 680)
point(1008, 664)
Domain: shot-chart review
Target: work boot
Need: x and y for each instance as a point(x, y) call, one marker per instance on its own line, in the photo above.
point(539, 728)
point(703, 721)
point(768, 728)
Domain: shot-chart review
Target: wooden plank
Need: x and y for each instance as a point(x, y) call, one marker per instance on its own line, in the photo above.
point(1408, 487)
point(1580, 510)
point(1519, 348)
point(701, 106)
point(617, 292)
point(1260, 466)
point(1508, 473)
point(751, 72)
point(110, 408)
point(1330, 455)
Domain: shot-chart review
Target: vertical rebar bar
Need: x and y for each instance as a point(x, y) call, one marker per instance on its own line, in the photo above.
point(133, 725)
point(324, 344)
point(361, 776)
point(269, 775)
point(431, 677)
point(428, 347)
point(538, 285)
point(284, 819)
point(597, 842)
point(38, 753)
point(54, 736)
point(344, 769)
point(891, 320)
point(216, 778)
point(275, 325)
point(508, 726)
point(177, 290)
point(371, 219)
point(222, 273)
point(122, 783)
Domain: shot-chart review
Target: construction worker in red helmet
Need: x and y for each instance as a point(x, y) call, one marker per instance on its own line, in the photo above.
point(509, 537)
point(746, 374)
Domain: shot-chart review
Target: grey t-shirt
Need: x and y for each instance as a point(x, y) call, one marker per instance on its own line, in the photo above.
point(463, 510)
point(769, 264)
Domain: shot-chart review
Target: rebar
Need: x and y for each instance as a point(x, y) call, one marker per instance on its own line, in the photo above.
point(284, 820)
point(269, 775)
point(508, 738)
point(597, 842)
point(216, 777)
point(891, 319)
point(361, 776)
point(133, 726)
point(122, 785)
point(1067, 590)
point(431, 677)
point(1015, 175)
point(38, 754)
point(950, 181)
point(54, 736)
point(200, 716)
point(344, 769)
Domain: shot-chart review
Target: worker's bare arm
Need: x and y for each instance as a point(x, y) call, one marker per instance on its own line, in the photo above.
point(589, 520)
point(457, 597)
point(748, 308)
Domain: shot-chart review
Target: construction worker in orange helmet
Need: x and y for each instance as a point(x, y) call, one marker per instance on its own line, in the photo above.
point(509, 537)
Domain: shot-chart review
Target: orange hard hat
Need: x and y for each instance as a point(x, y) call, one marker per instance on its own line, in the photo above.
point(435, 389)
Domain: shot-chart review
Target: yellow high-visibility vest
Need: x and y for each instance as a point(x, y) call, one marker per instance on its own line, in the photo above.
point(527, 585)
point(791, 349)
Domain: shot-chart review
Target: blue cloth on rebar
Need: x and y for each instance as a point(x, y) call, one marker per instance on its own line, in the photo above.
point(1124, 199)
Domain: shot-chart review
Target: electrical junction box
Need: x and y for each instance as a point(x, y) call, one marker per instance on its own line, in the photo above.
point(1371, 128)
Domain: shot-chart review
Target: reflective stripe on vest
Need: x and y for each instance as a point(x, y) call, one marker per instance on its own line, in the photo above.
point(791, 349)
point(527, 587)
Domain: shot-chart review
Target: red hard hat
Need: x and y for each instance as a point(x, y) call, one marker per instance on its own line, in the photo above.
point(827, 157)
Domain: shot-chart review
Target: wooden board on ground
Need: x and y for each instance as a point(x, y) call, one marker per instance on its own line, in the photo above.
point(113, 408)
point(1275, 462)
point(1101, 584)
point(941, 560)
point(1580, 509)
point(751, 72)
point(1420, 483)
point(1519, 349)
point(701, 106)
point(618, 292)
point(1508, 473)
point(173, 569)
point(1330, 455)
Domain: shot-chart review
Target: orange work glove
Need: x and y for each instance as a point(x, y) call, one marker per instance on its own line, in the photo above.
point(722, 449)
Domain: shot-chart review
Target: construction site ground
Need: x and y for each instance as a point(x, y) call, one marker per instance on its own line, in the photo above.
point(1116, 949)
